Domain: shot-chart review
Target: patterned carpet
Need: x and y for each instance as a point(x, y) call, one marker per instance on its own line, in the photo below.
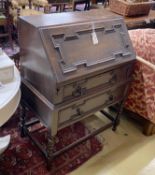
point(23, 158)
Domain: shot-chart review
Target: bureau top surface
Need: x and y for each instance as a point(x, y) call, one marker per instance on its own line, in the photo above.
point(66, 18)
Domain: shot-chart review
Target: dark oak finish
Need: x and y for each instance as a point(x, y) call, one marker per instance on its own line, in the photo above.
point(72, 65)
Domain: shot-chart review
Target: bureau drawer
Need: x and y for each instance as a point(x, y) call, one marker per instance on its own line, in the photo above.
point(104, 80)
point(81, 108)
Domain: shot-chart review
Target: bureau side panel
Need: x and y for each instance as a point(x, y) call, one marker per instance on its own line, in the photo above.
point(35, 66)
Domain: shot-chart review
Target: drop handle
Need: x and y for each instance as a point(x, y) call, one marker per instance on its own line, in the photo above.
point(111, 98)
point(113, 79)
point(79, 112)
point(79, 91)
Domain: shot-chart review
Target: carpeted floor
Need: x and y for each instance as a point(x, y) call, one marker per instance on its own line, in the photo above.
point(23, 158)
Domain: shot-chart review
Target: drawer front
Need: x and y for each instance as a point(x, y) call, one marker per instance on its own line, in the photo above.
point(81, 108)
point(104, 80)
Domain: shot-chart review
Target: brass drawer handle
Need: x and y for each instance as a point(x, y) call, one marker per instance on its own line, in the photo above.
point(113, 79)
point(110, 99)
point(78, 114)
point(79, 91)
point(79, 111)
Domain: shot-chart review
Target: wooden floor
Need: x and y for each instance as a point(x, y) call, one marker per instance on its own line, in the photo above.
point(126, 151)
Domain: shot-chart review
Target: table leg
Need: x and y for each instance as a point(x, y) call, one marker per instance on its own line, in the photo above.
point(117, 118)
point(30, 4)
point(22, 120)
point(50, 150)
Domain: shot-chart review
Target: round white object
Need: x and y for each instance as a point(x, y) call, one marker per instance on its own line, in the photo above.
point(9, 100)
point(9, 97)
point(4, 143)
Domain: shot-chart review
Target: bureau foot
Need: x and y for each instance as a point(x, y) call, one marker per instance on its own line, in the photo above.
point(120, 109)
point(22, 132)
point(115, 125)
point(117, 118)
point(22, 121)
point(50, 150)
